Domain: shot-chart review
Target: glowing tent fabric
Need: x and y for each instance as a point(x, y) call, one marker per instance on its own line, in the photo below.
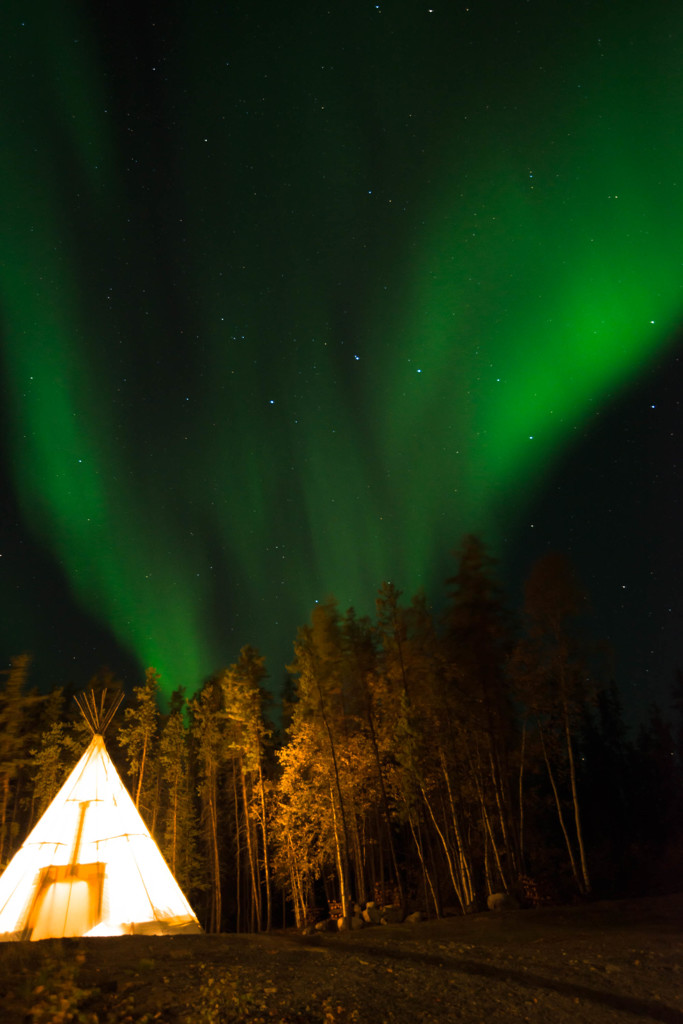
point(90, 866)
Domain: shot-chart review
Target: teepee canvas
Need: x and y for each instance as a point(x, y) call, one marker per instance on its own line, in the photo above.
point(90, 866)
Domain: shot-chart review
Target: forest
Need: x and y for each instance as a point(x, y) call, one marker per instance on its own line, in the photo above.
point(424, 760)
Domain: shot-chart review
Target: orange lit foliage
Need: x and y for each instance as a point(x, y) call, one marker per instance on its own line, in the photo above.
point(246, 737)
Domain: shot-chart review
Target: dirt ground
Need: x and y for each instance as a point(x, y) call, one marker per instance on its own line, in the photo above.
point(602, 962)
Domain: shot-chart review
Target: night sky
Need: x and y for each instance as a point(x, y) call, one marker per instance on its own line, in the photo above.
point(293, 295)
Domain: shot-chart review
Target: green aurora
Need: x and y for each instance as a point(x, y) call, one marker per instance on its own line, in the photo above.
point(290, 305)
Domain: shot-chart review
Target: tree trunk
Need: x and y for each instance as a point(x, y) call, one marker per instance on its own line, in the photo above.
point(174, 826)
point(297, 888)
point(238, 848)
point(358, 858)
point(575, 799)
point(487, 822)
point(344, 864)
point(425, 870)
point(521, 797)
point(266, 862)
point(255, 887)
point(216, 903)
point(141, 772)
point(501, 807)
point(465, 872)
point(560, 815)
point(487, 866)
point(3, 817)
point(343, 884)
point(494, 847)
point(385, 803)
point(155, 809)
point(444, 843)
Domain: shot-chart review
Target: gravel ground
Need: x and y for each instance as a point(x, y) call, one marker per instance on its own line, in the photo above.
point(608, 962)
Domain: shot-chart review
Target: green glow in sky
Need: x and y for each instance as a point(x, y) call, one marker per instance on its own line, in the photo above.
point(275, 327)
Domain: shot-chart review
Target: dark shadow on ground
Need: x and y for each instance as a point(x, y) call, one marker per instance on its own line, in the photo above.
point(525, 979)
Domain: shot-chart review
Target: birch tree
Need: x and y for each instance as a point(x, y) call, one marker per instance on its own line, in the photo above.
point(554, 681)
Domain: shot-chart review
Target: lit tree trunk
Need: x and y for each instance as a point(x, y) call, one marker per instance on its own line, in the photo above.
point(360, 893)
point(266, 861)
point(174, 827)
point(3, 816)
point(344, 863)
point(176, 787)
point(206, 725)
point(553, 601)
point(216, 903)
point(500, 806)
point(465, 873)
point(255, 888)
point(141, 773)
point(298, 916)
point(341, 861)
point(521, 797)
point(385, 802)
point(475, 774)
point(446, 849)
point(297, 889)
point(155, 807)
point(575, 799)
point(425, 870)
point(487, 866)
point(560, 815)
point(238, 845)
point(494, 847)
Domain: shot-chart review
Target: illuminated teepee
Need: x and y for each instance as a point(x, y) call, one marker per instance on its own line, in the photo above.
point(90, 866)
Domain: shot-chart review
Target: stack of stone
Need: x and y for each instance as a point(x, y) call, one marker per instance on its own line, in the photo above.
point(372, 914)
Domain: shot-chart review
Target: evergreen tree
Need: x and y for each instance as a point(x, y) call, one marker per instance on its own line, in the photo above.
point(318, 654)
point(361, 655)
point(554, 682)
point(478, 642)
point(301, 832)
point(52, 759)
point(208, 736)
point(178, 831)
point(139, 737)
point(246, 736)
point(16, 706)
point(657, 789)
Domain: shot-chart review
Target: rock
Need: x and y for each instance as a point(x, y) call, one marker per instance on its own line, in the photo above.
point(357, 922)
point(343, 924)
point(328, 925)
point(392, 915)
point(502, 901)
point(415, 918)
point(371, 914)
point(357, 909)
